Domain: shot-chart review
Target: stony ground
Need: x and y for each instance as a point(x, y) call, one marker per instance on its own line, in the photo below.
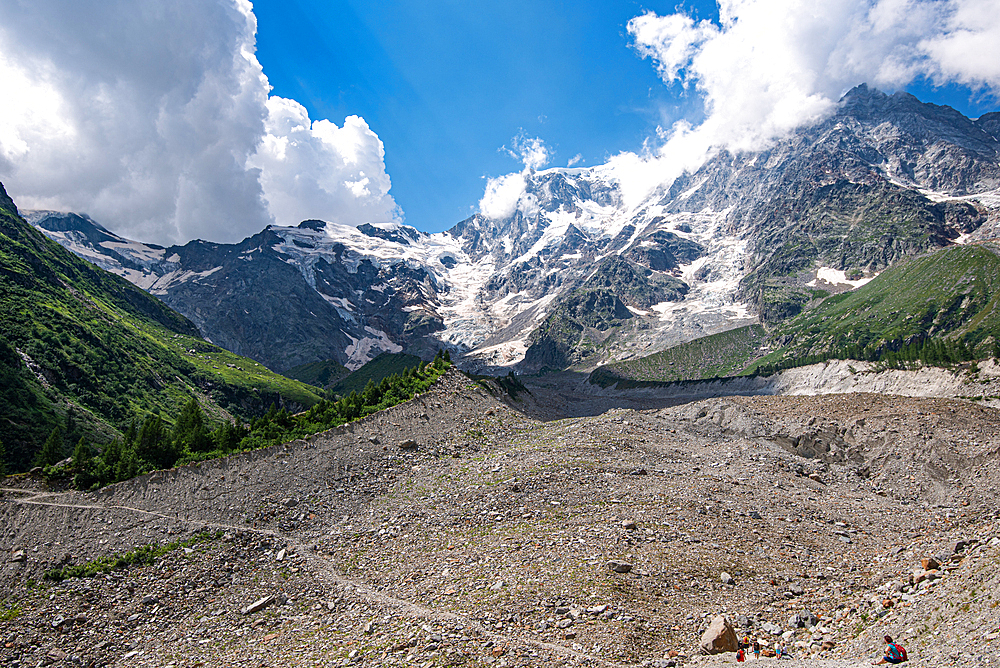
point(492, 542)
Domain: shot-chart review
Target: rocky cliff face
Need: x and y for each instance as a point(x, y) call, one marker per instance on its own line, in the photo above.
point(748, 236)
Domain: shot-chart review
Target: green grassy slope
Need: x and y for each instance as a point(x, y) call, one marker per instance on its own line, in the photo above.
point(375, 370)
point(80, 341)
point(723, 354)
point(952, 294)
point(320, 374)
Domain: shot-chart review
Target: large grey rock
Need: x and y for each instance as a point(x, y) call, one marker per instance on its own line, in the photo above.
point(719, 637)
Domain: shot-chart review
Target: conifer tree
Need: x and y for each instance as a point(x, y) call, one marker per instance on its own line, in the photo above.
point(190, 432)
point(81, 453)
point(52, 451)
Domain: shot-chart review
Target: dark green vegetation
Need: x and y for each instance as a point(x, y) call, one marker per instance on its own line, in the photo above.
point(140, 556)
point(320, 374)
point(509, 384)
point(723, 354)
point(940, 308)
point(152, 445)
point(375, 371)
point(86, 352)
point(950, 296)
point(856, 227)
point(590, 315)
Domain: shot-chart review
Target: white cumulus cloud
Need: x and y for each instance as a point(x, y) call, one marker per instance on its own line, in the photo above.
point(506, 194)
point(770, 66)
point(155, 119)
point(313, 167)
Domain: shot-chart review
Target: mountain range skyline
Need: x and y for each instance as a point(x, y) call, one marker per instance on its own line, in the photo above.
point(209, 121)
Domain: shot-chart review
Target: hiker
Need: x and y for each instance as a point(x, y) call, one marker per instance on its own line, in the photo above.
point(894, 653)
point(740, 655)
point(756, 648)
point(781, 652)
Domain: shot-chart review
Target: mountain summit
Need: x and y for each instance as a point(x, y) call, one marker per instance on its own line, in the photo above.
point(572, 275)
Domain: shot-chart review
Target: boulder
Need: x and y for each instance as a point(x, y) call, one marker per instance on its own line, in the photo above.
point(930, 563)
point(719, 637)
point(771, 628)
point(620, 566)
point(803, 619)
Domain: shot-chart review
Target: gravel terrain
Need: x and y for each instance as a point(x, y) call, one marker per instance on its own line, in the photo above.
point(511, 536)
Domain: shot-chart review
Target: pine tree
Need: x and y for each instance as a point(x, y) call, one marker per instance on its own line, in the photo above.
point(190, 432)
point(153, 446)
point(52, 451)
point(83, 463)
point(3, 460)
point(81, 453)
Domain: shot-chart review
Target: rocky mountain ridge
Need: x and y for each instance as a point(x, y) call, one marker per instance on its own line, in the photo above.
point(755, 235)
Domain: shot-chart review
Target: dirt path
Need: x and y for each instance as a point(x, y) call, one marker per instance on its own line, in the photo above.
point(345, 586)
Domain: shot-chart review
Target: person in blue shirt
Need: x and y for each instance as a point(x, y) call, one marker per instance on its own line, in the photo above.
point(893, 653)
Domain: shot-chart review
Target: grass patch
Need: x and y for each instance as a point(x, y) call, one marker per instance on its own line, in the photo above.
point(140, 556)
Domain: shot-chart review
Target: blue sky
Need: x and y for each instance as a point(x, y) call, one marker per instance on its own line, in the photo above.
point(213, 118)
point(445, 89)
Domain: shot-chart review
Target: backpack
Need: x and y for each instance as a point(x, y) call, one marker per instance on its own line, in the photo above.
point(902, 652)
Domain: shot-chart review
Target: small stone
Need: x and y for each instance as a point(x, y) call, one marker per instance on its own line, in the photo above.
point(564, 623)
point(408, 444)
point(930, 563)
point(620, 566)
point(258, 605)
point(281, 555)
point(726, 578)
point(18, 556)
point(754, 515)
point(149, 599)
point(56, 654)
point(629, 525)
